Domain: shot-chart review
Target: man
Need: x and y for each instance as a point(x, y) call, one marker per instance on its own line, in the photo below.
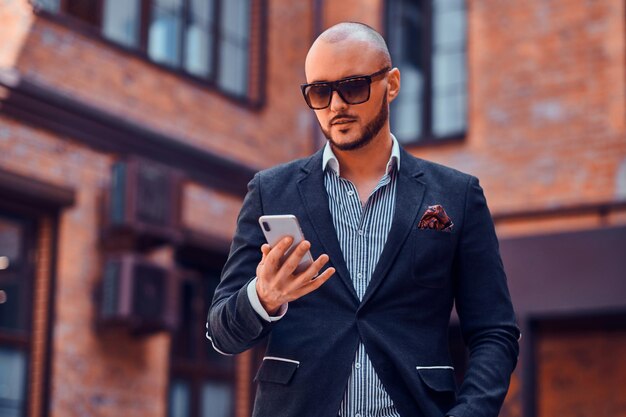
point(402, 238)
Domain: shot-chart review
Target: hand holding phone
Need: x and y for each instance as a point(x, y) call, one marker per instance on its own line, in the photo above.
point(287, 270)
point(278, 227)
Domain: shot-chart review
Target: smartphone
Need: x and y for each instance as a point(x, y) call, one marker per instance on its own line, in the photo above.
point(277, 227)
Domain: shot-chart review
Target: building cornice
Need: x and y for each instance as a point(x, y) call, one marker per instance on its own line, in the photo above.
point(43, 106)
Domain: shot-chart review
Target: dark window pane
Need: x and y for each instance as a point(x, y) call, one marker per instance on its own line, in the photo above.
point(217, 399)
point(14, 278)
point(406, 42)
point(13, 310)
point(199, 38)
point(120, 21)
point(184, 341)
point(234, 33)
point(434, 74)
point(179, 399)
point(12, 382)
point(165, 32)
point(50, 5)
point(86, 11)
point(10, 243)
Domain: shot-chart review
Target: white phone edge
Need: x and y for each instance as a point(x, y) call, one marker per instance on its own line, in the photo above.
point(286, 225)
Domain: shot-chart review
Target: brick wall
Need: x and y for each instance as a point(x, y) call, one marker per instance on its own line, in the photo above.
point(91, 373)
point(546, 127)
point(546, 102)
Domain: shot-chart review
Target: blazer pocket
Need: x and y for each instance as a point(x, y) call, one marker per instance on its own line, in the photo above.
point(438, 378)
point(277, 370)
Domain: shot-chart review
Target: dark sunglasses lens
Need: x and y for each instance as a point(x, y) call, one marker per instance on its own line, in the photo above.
point(318, 96)
point(355, 91)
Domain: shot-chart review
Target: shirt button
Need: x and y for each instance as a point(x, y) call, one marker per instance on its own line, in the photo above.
point(350, 192)
point(360, 232)
point(357, 365)
point(359, 275)
point(357, 415)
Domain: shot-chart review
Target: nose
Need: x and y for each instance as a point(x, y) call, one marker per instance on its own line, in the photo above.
point(336, 102)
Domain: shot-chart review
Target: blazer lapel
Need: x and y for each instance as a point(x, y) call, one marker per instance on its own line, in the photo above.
point(315, 199)
point(409, 195)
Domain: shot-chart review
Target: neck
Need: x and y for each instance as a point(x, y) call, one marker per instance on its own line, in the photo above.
point(369, 161)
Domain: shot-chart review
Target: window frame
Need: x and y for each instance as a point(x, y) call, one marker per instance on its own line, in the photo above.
point(23, 340)
point(255, 97)
point(427, 137)
point(196, 370)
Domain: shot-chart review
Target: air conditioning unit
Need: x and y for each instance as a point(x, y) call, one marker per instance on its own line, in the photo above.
point(142, 205)
point(138, 295)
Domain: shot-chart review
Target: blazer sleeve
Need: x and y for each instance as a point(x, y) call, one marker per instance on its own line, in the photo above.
point(232, 325)
point(485, 312)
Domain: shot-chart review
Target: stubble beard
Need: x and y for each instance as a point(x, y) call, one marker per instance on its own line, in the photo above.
point(369, 132)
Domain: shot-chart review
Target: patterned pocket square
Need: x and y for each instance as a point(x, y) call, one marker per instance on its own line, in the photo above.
point(436, 218)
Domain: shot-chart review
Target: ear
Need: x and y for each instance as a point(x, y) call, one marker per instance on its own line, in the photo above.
point(393, 84)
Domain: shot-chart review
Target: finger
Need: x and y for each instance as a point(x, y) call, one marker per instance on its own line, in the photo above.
point(314, 284)
point(308, 274)
point(277, 252)
point(265, 249)
point(291, 263)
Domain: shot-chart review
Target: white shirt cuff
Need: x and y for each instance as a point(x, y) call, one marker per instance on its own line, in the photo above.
point(256, 304)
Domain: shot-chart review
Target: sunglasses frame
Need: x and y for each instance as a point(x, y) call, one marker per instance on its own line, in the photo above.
point(334, 86)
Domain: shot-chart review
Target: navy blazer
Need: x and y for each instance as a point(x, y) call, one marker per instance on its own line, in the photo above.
point(404, 315)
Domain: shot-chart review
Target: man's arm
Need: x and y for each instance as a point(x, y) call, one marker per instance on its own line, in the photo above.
point(244, 308)
point(233, 324)
point(485, 312)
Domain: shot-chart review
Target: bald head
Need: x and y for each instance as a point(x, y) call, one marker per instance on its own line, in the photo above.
point(359, 34)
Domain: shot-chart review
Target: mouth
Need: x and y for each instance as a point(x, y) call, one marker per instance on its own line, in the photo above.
point(343, 122)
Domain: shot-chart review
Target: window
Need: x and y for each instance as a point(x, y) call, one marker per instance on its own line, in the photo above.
point(427, 41)
point(217, 41)
point(120, 21)
point(50, 5)
point(15, 312)
point(202, 381)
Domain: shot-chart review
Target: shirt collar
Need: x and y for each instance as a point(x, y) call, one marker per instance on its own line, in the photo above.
point(330, 160)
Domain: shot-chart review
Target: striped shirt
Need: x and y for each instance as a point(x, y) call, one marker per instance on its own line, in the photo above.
point(362, 232)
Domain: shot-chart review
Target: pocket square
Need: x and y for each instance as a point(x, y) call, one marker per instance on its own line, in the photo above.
point(436, 218)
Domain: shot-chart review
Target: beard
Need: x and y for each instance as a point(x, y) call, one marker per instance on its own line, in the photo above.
point(369, 131)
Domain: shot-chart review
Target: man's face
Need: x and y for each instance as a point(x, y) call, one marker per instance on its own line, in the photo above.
point(349, 126)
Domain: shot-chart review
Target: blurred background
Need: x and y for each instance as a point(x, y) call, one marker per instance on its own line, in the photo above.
point(129, 130)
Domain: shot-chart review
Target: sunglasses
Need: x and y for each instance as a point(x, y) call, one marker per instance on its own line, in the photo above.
point(352, 90)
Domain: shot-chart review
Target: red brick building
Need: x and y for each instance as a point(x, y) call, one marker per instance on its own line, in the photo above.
point(128, 131)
